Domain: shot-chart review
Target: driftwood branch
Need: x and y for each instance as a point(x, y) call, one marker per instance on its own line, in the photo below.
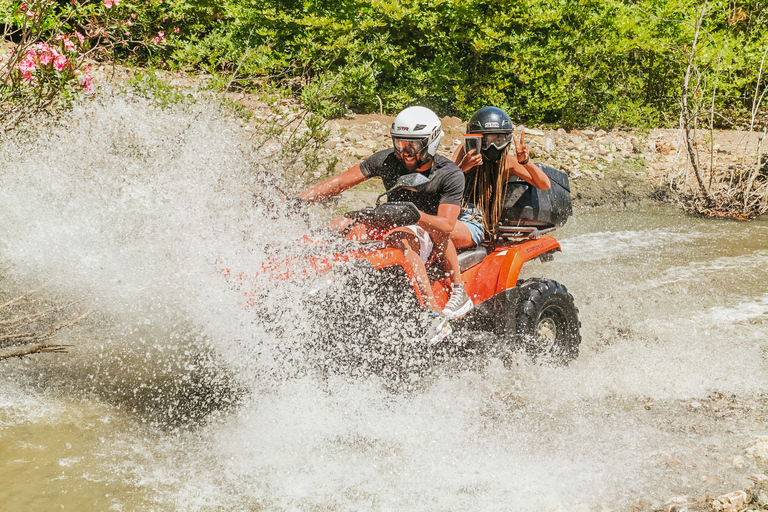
point(20, 340)
point(35, 349)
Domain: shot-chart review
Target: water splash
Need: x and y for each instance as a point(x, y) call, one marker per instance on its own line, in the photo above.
point(136, 210)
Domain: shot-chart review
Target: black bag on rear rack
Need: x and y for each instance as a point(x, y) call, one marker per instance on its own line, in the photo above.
point(528, 206)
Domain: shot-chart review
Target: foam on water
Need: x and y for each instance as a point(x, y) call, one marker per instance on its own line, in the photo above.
point(135, 211)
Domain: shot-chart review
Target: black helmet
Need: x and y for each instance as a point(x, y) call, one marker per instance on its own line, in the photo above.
point(494, 123)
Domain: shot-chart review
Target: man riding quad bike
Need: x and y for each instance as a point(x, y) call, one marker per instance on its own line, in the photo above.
point(376, 273)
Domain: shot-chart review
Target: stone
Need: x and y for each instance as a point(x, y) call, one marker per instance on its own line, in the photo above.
point(759, 450)
point(738, 462)
point(601, 133)
point(548, 145)
point(588, 134)
point(533, 132)
point(362, 152)
point(368, 143)
point(562, 133)
point(331, 143)
point(762, 498)
point(732, 502)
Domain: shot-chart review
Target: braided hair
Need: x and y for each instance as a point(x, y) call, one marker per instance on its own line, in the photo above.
point(486, 187)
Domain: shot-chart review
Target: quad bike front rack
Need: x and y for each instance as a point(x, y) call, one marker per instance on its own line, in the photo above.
point(521, 232)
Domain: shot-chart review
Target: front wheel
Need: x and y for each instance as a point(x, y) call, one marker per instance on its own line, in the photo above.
point(547, 321)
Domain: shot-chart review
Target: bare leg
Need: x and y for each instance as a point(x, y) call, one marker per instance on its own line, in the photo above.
point(409, 245)
point(461, 236)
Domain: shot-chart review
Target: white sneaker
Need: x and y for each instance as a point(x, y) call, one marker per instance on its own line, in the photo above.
point(459, 304)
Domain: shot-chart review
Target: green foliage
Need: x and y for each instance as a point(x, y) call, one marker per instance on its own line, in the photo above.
point(574, 62)
point(147, 84)
point(608, 63)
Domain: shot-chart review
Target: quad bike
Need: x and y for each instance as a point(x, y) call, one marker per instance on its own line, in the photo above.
point(352, 282)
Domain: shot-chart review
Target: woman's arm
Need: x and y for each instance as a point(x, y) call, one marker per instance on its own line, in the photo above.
point(527, 170)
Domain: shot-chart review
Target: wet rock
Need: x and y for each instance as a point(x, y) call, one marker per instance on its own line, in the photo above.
point(758, 450)
point(732, 502)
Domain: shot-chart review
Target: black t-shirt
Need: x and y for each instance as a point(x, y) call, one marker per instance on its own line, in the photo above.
point(446, 181)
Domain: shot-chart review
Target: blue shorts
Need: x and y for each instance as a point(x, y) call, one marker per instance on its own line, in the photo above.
point(473, 218)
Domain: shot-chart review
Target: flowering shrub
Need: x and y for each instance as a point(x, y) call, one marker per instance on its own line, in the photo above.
point(47, 68)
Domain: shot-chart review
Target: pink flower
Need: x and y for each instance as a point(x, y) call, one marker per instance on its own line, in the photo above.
point(80, 37)
point(84, 79)
point(69, 45)
point(44, 54)
point(108, 4)
point(27, 65)
point(133, 15)
point(159, 38)
point(60, 62)
point(165, 18)
point(127, 22)
point(175, 30)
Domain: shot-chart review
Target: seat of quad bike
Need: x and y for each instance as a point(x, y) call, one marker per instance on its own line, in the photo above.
point(470, 257)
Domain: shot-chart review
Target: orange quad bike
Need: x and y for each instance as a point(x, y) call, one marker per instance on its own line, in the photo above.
point(368, 315)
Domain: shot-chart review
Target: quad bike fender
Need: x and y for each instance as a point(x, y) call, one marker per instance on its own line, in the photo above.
point(514, 259)
point(500, 270)
point(389, 256)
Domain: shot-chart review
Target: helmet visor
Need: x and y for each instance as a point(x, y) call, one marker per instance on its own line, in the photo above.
point(499, 140)
point(410, 147)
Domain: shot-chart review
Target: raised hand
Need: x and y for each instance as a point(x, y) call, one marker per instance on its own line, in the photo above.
point(522, 150)
point(470, 160)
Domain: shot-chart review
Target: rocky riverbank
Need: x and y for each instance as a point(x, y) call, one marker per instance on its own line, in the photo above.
point(606, 168)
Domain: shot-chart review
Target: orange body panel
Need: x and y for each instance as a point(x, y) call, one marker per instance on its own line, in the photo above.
point(501, 268)
point(497, 272)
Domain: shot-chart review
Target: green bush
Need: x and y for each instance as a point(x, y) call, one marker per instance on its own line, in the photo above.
point(572, 62)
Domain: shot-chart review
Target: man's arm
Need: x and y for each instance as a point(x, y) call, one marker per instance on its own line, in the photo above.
point(334, 186)
point(444, 221)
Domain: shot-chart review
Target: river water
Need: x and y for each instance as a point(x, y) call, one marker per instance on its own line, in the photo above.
point(176, 396)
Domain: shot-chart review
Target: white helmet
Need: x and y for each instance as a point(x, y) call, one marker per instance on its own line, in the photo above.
point(417, 131)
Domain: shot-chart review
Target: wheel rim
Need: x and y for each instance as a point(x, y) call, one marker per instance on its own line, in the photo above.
point(546, 331)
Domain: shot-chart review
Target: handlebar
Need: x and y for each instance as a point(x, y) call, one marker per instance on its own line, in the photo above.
point(387, 215)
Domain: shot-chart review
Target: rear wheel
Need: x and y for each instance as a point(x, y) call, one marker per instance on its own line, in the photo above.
point(547, 321)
